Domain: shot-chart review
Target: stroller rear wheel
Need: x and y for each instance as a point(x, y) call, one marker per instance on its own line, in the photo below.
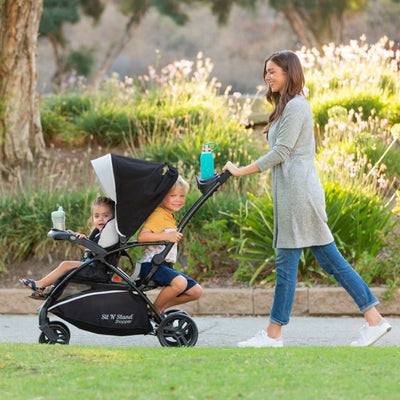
point(61, 332)
point(175, 310)
point(177, 330)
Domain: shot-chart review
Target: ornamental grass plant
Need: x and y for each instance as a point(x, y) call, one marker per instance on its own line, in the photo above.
point(358, 74)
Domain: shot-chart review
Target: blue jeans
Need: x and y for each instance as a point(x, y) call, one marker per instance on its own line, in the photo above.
point(331, 260)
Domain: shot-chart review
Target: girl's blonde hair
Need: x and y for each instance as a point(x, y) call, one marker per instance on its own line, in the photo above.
point(181, 183)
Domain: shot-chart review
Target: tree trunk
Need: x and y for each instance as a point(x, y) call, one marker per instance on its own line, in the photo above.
point(299, 25)
point(116, 47)
point(61, 72)
point(20, 127)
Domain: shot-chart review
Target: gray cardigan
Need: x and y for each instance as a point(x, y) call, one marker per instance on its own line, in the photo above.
point(299, 201)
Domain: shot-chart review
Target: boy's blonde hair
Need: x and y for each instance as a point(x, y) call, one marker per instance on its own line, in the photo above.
point(181, 183)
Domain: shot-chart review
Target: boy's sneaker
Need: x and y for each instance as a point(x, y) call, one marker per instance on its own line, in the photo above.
point(261, 339)
point(370, 334)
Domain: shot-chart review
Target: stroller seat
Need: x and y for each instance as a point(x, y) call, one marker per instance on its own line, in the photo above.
point(97, 270)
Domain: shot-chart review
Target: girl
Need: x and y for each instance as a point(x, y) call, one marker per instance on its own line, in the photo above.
point(102, 218)
point(299, 204)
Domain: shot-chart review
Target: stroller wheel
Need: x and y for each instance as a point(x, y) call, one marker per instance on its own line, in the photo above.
point(175, 310)
point(177, 330)
point(60, 330)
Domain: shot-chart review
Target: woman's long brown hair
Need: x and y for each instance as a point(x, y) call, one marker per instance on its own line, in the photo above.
point(290, 63)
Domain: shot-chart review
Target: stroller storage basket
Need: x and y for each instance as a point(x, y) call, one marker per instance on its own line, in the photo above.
point(107, 309)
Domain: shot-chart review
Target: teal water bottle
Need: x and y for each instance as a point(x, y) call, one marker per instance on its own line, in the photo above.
point(207, 161)
point(58, 219)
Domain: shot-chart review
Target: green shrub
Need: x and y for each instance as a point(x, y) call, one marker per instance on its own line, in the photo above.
point(57, 128)
point(68, 104)
point(358, 74)
point(106, 124)
point(208, 236)
point(357, 101)
point(359, 222)
point(391, 159)
point(360, 152)
point(253, 246)
point(233, 144)
point(25, 221)
point(392, 110)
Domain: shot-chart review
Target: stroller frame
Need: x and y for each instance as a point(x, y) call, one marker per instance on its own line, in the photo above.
point(174, 328)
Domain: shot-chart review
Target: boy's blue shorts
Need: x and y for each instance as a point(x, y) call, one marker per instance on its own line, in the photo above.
point(164, 275)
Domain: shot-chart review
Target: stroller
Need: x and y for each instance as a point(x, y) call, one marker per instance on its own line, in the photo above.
point(88, 297)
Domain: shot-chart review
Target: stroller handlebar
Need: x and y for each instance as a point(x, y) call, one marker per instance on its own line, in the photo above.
point(64, 235)
point(224, 176)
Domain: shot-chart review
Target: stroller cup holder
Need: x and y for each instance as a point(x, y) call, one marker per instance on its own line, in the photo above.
point(56, 234)
point(204, 185)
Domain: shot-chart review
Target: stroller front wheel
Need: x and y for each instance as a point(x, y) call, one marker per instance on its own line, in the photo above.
point(61, 332)
point(177, 330)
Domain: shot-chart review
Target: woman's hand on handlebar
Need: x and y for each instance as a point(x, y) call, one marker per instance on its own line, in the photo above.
point(241, 171)
point(232, 168)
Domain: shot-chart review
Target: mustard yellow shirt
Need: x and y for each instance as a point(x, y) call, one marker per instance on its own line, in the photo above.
point(159, 221)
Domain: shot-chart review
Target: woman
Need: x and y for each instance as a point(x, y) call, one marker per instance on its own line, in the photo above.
point(299, 204)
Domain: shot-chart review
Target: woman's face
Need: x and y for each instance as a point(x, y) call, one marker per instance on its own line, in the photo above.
point(275, 77)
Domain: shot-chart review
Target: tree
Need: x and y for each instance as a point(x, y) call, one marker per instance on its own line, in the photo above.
point(175, 9)
point(55, 14)
point(319, 21)
point(20, 128)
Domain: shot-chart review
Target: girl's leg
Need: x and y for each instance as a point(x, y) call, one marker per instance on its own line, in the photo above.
point(332, 261)
point(63, 267)
point(287, 262)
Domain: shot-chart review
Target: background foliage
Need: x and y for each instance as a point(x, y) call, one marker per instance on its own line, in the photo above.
point(167, 114)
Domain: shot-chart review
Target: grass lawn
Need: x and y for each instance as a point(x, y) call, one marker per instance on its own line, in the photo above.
point(44, 372)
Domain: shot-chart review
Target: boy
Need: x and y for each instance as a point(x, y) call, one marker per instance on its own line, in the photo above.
point(178, 288)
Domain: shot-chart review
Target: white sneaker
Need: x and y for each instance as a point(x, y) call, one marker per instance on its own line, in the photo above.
point(261, 339)
point(370, 334)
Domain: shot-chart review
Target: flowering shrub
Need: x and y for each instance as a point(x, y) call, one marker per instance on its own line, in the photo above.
point(358, 152)
point(354, 75)
point(358, 66)
point(165, 115)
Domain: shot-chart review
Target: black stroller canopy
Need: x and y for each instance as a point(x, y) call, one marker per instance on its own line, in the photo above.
point(136, 186)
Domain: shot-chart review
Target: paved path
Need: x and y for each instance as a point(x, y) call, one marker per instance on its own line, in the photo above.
point(213, 332)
